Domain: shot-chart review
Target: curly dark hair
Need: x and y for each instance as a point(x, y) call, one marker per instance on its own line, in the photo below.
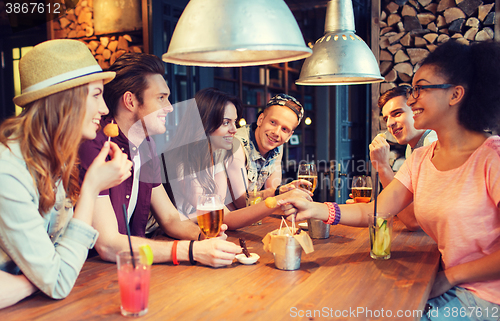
point(476, 67)
point(131, 72)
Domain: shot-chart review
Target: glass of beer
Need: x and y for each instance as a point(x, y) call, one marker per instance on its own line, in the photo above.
point(210, 214)
point(308, 172)
point(362, 189)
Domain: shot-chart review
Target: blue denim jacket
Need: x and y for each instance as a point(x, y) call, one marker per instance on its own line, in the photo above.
point(258, 167)
point(50, 248)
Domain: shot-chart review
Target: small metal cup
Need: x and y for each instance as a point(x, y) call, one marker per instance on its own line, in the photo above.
point(318, 229)
point(291, 259)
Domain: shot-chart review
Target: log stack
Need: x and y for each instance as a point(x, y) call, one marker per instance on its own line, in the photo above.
point(78, 24)
point(410, 29)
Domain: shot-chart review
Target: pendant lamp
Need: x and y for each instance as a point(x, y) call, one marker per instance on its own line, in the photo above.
point(229, 33)
point(340, 57)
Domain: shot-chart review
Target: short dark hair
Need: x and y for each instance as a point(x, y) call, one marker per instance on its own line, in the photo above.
point(476, 67)
point(131, 72)
point(392, 93)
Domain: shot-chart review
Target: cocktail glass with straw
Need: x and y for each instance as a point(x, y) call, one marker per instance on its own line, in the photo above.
point(380, 228)
point(133, 279)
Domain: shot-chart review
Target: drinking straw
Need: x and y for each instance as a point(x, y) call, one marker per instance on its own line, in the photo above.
point(128, 234)
point(376, 196)
point(244, 181)
point(289, 230)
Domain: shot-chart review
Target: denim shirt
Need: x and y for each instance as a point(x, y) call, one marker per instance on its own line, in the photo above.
point(258, 168)
point(49, 248)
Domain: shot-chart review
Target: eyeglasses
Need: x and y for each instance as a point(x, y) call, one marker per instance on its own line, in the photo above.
point(415, 90)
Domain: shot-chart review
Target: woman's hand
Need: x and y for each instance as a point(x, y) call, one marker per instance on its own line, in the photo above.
point(215, 252)
point(222, 234)
point(297, 184)
point(297, 192)
point(303, 208)
point(104, 174)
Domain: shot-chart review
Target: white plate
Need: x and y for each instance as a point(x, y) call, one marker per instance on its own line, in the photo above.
point(303, 226)
point(247, 260)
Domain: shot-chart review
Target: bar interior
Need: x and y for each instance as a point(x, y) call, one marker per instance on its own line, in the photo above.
point(249, 160)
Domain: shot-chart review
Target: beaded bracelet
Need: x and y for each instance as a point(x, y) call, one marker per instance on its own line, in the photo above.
point(333, 213)
point(174, 253)
point(191, 259)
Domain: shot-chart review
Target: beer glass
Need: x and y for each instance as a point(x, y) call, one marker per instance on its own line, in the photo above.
point(210, 214)
point(362, 189)
point(308, 172)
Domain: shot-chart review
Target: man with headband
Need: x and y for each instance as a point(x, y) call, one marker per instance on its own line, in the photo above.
point(263, 144)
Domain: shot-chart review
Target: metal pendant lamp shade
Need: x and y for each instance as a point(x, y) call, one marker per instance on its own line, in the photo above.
point(230, 33)
point(340, 57)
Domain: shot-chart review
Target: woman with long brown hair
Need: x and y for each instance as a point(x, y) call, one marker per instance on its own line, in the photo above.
point(204, 158)
point(41, 237)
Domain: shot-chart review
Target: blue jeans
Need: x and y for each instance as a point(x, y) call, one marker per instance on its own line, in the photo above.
point(461, 304)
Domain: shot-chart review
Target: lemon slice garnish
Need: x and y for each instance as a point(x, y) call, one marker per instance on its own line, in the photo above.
point(146, 254)
point(257, 200)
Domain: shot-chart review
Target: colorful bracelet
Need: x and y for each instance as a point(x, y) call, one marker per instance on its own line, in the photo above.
point(174, 253)
point(191, 259)
point(333, 213)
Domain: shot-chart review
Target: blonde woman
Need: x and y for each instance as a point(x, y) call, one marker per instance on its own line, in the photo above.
point(41, 236)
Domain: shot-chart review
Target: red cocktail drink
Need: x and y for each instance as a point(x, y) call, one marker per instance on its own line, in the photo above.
point(134, 284)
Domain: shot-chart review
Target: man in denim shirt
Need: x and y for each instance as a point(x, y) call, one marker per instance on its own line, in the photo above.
point(263, 143)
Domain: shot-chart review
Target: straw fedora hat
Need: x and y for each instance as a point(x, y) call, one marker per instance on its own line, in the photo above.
point(54, 66)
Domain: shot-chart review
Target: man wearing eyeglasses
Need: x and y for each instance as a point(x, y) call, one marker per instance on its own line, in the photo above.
point(399, 118)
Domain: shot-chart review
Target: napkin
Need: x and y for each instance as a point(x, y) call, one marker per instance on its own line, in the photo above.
point(275, 241)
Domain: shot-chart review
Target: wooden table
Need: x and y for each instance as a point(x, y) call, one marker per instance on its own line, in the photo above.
point(338, 281)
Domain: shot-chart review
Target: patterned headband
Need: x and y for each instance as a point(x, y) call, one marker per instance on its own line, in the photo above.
point(288, 101)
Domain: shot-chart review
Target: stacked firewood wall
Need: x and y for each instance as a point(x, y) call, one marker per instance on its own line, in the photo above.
point(410, 29)
point(78, 24)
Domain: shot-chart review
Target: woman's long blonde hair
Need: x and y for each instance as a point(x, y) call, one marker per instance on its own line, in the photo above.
point(49, 131)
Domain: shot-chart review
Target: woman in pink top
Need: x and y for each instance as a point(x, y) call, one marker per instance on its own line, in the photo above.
point(454, 182)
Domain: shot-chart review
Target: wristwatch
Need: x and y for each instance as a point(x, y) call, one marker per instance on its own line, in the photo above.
point(277, 190)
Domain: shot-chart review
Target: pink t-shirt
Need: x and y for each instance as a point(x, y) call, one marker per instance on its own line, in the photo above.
point(459, 208)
